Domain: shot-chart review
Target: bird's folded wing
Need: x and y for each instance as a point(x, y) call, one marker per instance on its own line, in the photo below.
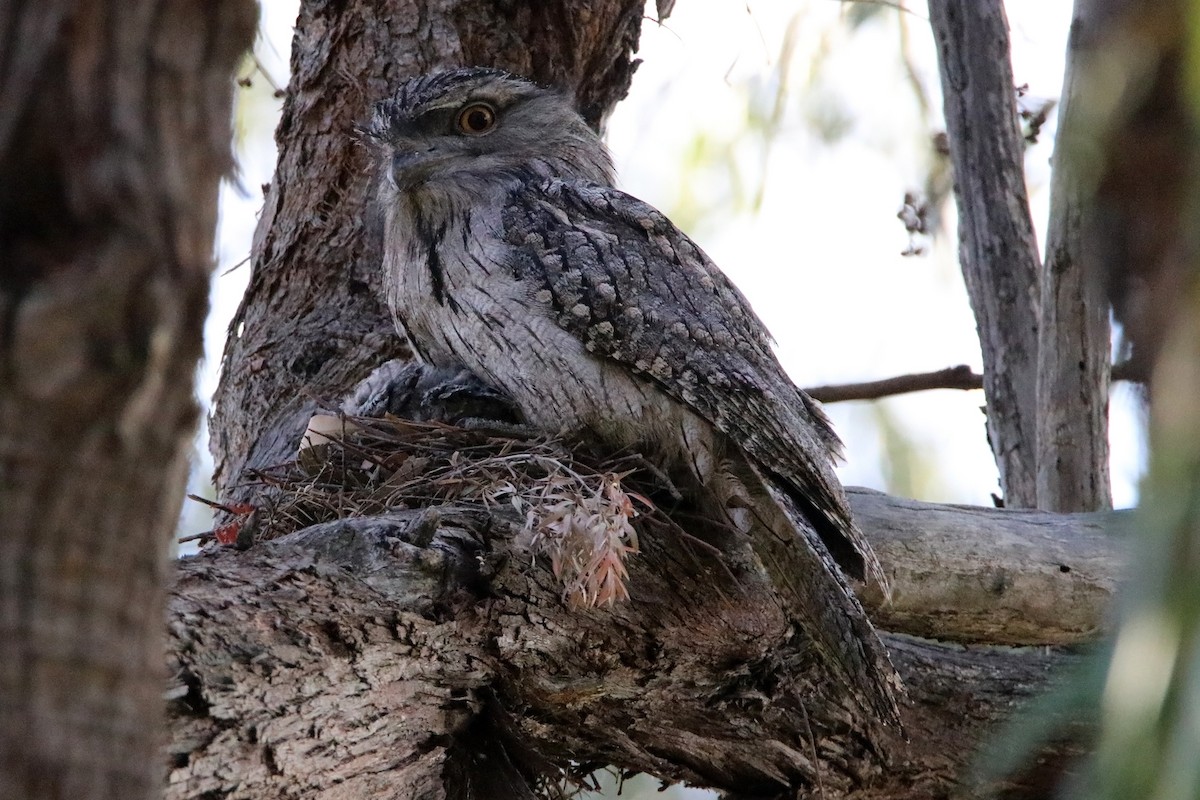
point(637, 290)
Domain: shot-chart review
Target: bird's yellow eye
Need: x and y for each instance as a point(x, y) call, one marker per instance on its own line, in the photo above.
point(476, 119)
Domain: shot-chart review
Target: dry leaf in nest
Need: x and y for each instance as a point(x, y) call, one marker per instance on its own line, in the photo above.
point(587, 532)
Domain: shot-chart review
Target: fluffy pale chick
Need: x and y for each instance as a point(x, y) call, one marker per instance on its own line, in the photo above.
point(508, 251)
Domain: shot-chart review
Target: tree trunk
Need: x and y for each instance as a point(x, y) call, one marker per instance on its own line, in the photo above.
point(1073, 349)
point(311, 322)
point(426, 654)
point(114, 133)
point(997, 247)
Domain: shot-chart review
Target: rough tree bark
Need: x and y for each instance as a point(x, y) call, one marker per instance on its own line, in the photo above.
point(1073, 349)
point(114, 132)
point(997, 247)
point(311, 322)
point(424, 654)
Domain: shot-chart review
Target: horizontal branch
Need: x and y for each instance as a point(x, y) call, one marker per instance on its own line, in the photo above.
point(995, 576)
point(961, 377)
point(394, 656)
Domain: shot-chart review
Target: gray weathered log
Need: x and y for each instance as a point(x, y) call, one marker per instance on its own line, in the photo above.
point(1073, 348)
point(114, 135)
point(422, 655)
point(991, 576)
point(997, 246)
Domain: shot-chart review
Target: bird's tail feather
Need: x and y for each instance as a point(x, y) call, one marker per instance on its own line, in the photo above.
point(818, 594)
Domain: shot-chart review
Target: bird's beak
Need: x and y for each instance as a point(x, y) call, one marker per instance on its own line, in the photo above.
point(409, 162)
point(404, 157)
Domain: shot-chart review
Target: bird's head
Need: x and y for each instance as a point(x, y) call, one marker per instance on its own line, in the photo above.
point(468, 128)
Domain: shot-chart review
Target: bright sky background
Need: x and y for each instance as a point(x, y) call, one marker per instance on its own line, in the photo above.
point(820, 261)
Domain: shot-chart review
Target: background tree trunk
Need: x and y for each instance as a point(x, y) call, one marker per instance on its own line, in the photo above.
point(997, 247)
point(114, 132)
point(1073, 349)
point(311, 322)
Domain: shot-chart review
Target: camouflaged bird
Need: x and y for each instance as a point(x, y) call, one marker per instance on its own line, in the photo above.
point(508, 251)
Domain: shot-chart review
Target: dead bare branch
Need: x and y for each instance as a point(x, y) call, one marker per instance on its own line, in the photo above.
point(960, 377)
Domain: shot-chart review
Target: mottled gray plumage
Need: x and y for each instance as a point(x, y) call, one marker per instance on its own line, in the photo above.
point(411, 391)
point(509, 252)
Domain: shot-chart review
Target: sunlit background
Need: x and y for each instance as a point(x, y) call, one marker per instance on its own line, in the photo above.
point(783, 137)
